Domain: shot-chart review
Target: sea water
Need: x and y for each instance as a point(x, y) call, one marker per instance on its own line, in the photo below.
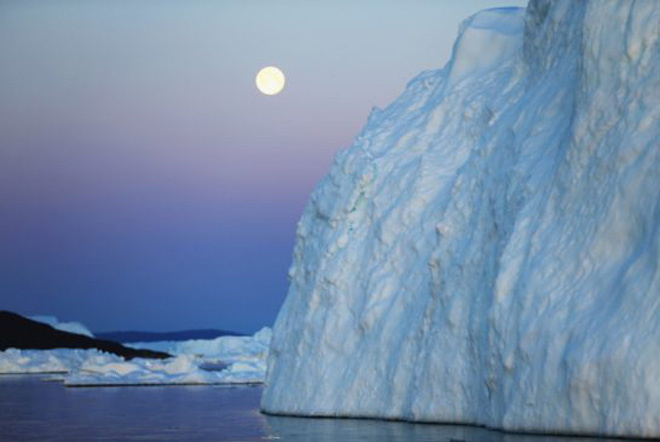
point(34, 409)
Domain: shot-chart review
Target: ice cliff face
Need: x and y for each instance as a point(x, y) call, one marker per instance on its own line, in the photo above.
point(488, 250)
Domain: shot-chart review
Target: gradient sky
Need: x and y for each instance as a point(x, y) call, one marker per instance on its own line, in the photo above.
point(146, 183)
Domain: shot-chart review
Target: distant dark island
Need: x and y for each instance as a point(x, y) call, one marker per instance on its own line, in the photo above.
point(19, 332)
point(184, 335)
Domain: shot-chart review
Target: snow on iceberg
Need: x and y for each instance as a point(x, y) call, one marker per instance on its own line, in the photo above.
point(61, 360)
point(71, 327)
point(488, 250)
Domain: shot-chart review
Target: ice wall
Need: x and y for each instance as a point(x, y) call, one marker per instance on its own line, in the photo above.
point(488, 249)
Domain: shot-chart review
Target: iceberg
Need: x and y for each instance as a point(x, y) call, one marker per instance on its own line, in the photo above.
point(488, 250)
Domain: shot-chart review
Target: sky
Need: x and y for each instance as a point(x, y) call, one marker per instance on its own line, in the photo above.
point(145, 183)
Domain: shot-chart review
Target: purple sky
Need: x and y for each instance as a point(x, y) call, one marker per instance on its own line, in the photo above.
point(146, 183)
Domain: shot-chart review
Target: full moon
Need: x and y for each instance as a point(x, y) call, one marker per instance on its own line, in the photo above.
point(270, 80)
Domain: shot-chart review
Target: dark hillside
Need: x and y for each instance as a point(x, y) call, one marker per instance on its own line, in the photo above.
point(19, 332)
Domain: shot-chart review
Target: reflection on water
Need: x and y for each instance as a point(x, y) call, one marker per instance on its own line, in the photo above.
point(366, 430)
point(33, 410)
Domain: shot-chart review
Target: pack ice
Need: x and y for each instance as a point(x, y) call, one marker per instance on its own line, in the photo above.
point(223, 360)
point(487, 251)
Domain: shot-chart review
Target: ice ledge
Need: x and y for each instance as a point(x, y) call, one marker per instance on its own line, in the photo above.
point(485, 40)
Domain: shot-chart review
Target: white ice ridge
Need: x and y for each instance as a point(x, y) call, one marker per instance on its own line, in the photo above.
point(182, 369)
point(228, 349)
point(60, 360)
point(488, 249)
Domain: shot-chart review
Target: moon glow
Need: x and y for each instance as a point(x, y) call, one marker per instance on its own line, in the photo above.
point(270, 80)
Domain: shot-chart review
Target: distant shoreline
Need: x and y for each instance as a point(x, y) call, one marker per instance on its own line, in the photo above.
point(183, 335)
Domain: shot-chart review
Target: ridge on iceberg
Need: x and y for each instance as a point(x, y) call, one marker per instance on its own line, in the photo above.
point(488, 250)
point(484, 40)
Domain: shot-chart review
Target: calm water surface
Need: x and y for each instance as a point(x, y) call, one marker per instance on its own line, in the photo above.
point(34, 410)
